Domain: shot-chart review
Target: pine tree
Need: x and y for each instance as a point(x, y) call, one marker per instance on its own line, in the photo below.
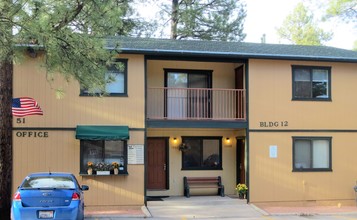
point(71, 34)
point(221, 20)
point(300, 28)
point(345, 9)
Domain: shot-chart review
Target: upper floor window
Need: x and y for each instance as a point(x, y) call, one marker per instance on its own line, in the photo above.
point(311, 83)
point(117, 80)
point(203, 153)
point(187, 94)
point(312, 154)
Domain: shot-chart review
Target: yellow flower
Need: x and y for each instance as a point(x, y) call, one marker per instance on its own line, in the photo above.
point(90, 164)
point(115, 164)
point(241, 188)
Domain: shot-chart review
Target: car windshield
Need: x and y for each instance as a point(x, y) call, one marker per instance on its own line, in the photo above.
point(48, 182)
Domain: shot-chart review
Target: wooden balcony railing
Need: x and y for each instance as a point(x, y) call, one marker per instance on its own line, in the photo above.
point(196, 103)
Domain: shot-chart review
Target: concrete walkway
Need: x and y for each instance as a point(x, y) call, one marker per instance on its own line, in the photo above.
point(211, 207)
point(202, 207)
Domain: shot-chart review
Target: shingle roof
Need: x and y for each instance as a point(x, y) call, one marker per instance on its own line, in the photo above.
point(242, 50)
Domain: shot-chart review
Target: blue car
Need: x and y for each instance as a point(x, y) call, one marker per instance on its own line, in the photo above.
point(49, 196)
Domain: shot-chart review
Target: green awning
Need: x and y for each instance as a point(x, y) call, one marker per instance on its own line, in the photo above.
point(96, 132)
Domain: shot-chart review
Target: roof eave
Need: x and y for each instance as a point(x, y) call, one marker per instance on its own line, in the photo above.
point(235, 55)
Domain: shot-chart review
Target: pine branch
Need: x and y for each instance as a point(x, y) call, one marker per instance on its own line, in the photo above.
point(69, 18)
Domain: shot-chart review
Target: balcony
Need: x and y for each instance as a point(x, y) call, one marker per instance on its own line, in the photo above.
point(196, 104)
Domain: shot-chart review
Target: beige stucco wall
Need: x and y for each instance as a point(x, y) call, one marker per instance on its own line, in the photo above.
point(270, 97)
point(60, 151)
point(30, 80)
point(228, 173)
point(270, 101)
point(272, 179)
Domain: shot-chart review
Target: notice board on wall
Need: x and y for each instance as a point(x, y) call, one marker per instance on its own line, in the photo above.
point(273, 151)
point(136, 154)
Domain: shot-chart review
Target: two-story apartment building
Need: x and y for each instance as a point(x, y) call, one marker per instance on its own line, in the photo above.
point(277, 117)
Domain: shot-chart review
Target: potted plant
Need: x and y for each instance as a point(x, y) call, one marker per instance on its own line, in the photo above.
point(242, 190)
point(102, 168)
point(115, 166)
point(184, 147)
point(90, 168)
point(121, 167)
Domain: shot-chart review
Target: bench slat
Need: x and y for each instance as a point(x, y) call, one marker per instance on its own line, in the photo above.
point(205, 187)
point(203, 182)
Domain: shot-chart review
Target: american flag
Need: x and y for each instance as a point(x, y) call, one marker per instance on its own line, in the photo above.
point(24, 106)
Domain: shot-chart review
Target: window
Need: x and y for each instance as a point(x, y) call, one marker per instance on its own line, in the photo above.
point(103, 151)
point(117, 74)
point(202, 154)
point(311, 83)
point(312, 154)
point(188, 95)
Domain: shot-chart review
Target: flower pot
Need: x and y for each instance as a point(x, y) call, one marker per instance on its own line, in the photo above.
point(90, 171)
point(103, 172)
point(241, 195)
point(116, 171)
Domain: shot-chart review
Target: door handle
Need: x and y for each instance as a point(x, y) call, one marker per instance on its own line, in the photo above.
point(164, 166)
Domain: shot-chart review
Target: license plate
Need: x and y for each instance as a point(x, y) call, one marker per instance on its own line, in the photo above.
point(45, 214)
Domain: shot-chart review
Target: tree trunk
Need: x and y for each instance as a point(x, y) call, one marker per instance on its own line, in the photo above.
point(174, 19)
point(6, 74)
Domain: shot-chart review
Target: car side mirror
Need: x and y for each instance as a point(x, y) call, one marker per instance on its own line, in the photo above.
point(85, 187)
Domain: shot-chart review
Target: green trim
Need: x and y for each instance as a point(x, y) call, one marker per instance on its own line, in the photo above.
point(145, 132)
point(195, 58)
point(239, 56)
point(92, 132)
point(42, 128)
point(137, 129)
point(247, 138)
point(232, 50)
point(60, 129)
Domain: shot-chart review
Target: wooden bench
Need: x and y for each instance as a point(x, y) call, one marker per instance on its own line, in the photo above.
point(202, 182)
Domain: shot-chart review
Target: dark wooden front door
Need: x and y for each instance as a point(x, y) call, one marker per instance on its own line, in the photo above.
point(240, 160)
point(157, 175)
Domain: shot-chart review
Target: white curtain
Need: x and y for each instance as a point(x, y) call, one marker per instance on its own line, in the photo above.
point(321, 154)
point(302, 154)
